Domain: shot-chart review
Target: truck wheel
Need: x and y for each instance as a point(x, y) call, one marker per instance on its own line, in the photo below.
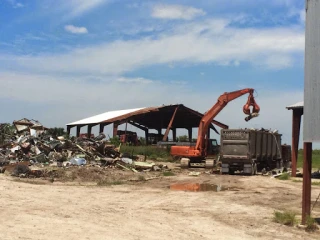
point(254, 169)
point(209, 163)
point(185, 163)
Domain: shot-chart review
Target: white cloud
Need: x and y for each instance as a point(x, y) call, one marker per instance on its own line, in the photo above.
point(75, 30)
point(211, 41)
point(134, 80)
point(70, 99)
point(78, 7)
point(69, 9)
point(15, 4)
point(176, 12)
point(302, 15)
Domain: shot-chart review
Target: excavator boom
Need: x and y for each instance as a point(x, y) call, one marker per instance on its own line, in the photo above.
point(200, 149)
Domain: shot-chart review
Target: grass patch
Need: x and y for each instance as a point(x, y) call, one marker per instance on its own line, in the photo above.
point(285, 218)
point(284, 176)
point(295, 180)
point(311, 224)
point(168, 174)
point(109, 183)
point(315, 158)
point(312, 183)
point(152, 152)
point(141, 178)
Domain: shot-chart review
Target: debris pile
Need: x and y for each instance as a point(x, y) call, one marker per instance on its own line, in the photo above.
point(27, 146)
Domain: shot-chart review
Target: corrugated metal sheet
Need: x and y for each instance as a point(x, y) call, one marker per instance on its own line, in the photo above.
point(296, 105)
point(104, 117)
point(311, 121)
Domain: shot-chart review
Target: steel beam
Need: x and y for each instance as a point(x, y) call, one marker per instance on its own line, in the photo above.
point(165, 136)
point(138, 126)
point(306, 188)
point(219, 124)
point(296, 122)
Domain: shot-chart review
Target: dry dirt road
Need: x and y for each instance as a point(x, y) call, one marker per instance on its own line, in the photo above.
point(150, 210)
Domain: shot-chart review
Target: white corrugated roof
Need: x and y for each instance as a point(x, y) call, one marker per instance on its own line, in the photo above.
point(104, 116)
point(296, 105)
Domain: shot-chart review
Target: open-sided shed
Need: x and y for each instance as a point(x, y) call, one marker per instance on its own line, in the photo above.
point(169, 117)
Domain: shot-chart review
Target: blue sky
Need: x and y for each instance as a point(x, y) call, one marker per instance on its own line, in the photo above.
point(61, 61)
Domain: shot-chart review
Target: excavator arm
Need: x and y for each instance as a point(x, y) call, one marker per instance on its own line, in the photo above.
point(223, 100)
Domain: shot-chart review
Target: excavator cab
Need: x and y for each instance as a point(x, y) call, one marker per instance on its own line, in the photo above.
point(213, 147)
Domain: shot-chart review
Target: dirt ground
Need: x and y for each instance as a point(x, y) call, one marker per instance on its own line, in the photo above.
point(146, 208)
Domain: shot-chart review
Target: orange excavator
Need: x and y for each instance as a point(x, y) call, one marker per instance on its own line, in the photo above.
point(198, 153)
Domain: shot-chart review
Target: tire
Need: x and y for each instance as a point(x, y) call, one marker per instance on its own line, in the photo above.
point(185, 163)
point(254, 169)
point(209, 163)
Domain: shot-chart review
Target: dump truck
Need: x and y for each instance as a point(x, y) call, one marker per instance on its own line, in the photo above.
point(251, 151)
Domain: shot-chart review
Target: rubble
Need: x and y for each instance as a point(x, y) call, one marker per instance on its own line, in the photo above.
point(26, 147)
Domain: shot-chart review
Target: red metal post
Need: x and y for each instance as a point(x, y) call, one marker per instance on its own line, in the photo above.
point(306, 189)
point(165, 136)
point(115, 129)
point(296, 122)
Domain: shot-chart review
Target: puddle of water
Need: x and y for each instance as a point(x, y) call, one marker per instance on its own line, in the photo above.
point(196, 187)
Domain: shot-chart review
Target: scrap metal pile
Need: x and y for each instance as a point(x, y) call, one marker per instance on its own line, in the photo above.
point(27, 143)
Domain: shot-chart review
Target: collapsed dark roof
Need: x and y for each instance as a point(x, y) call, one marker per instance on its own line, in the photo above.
point(150, 117)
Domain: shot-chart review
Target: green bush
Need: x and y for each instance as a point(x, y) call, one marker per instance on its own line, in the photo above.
point(168, 174)
point(115, 141)
point(286, 218)
point(149, 151)
point(311, 224)
point(109, 182)
point(284, 176)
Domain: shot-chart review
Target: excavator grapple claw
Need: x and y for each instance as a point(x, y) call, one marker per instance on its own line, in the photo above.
point(255, 108)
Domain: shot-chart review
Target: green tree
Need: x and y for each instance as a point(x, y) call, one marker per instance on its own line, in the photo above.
point(183, 138)
point(57, 131)
point(6, 131)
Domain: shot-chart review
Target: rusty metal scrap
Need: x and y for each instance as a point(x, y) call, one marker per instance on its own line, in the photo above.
point(24, 154)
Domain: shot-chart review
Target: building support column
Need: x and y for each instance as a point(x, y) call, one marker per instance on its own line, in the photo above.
point(190, 134)
point(78, 130)
point(115, 129)
point(69, 130)
point(101, 128)
point(306, 188)
point(146, 132)
point(174, 134)
point(89, 131)
point(296, 122)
